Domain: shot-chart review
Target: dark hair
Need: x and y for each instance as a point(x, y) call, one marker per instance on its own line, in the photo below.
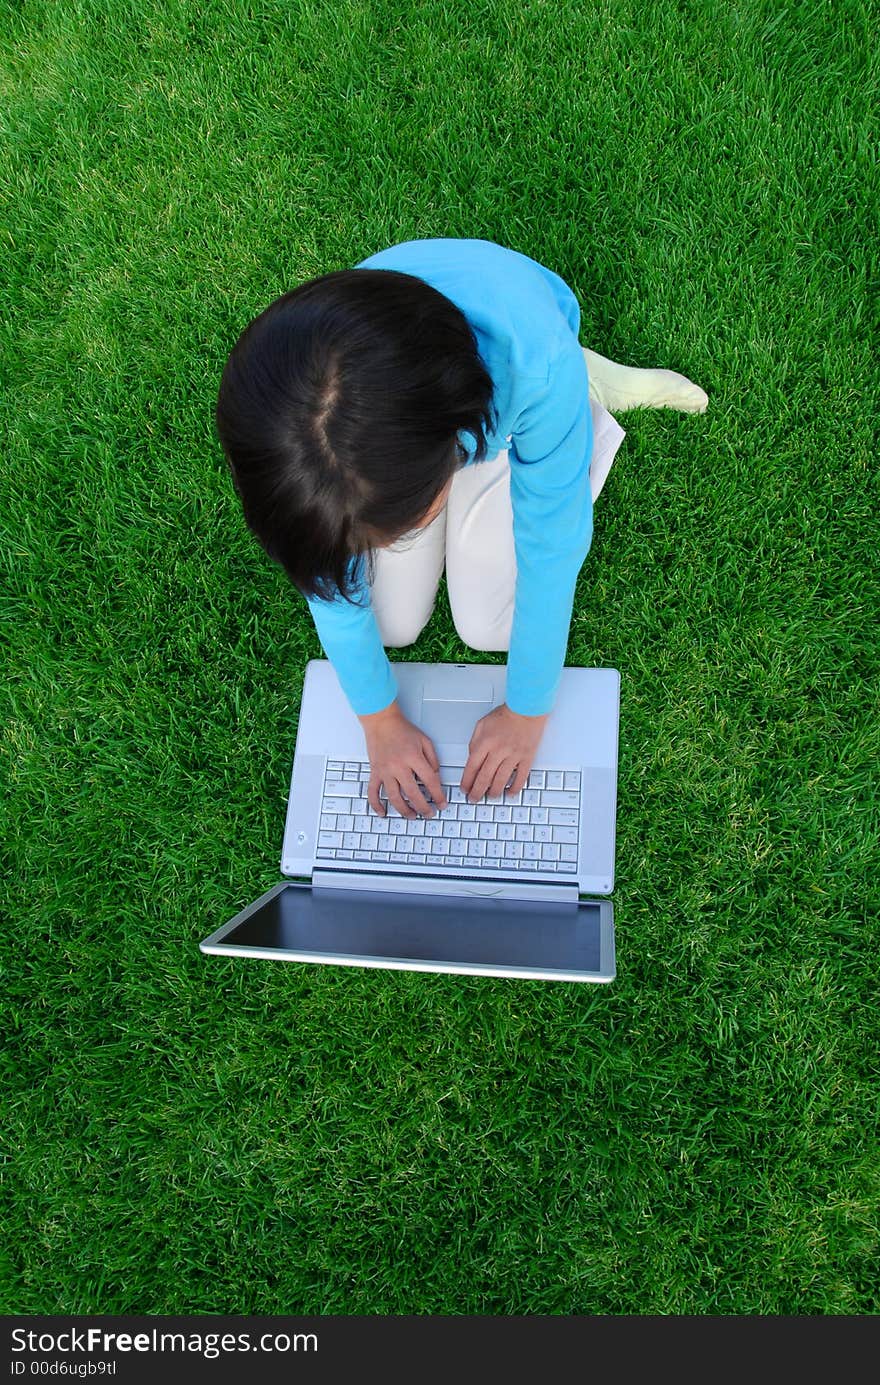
point(339, 412)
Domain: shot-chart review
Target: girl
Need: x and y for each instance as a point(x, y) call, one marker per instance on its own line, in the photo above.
point(432, 405)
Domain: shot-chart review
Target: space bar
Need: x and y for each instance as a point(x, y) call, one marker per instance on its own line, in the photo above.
point(450, 775)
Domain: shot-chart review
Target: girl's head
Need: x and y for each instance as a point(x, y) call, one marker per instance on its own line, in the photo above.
point(339, 413)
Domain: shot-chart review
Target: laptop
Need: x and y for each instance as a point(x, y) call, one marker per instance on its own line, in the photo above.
point(512, 886)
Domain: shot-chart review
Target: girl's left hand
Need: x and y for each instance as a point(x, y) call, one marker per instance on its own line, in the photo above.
point(504, 744)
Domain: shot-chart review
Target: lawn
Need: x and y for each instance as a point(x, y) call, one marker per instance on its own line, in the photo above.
point(188, 1134)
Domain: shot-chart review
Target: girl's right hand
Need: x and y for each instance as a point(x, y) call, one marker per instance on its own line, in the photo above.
point(400, 754)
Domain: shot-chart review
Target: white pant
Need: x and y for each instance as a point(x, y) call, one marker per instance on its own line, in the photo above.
point(473, 536)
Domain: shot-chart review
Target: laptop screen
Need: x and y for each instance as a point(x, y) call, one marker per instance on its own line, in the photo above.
point(433, 928)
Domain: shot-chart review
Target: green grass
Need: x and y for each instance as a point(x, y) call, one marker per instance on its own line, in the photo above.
point(187, 1134)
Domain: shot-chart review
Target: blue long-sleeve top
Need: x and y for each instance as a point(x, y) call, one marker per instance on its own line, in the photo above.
point(525, 320)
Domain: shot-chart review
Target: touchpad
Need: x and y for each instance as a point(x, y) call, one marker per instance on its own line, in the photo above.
point(451, 711)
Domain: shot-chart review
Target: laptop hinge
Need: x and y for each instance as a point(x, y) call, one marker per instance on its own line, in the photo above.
point(561, 892)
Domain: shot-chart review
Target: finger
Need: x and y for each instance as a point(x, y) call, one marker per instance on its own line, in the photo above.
point(521, 778)
point(483, 780)
point(430, 752)
point(471, 770)
point(501, 779)
point(417, 795)
point(471, 791)
point(431, 777)
point(373, 795)
point(396, 798)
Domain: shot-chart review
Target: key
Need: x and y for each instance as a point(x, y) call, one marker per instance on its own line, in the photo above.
point(531, 851)
point(363, 824)
point(558, 800)
point(520, 814)
point(495, 849)
point(328, 822)
point(524, 832)
point(335, 788)
point(550, 852)
point(484, 813)
point(506, 831)
point(563, 817)
point(503, 812)
point(565, 834)
point(487, 831)
point(329, 839)
point(536, 779)
point(351, 841)
point(572, 780)
point(568, 853)
point(544, 834)
point(531, 798)
point(554, 779)
point(344, 822)
point(539, 815)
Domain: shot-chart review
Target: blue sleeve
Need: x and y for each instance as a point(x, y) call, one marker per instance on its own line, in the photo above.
point(353, 645)
point(550, 454)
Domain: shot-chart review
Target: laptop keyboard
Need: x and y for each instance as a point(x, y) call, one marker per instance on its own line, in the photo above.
point(535, 830)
